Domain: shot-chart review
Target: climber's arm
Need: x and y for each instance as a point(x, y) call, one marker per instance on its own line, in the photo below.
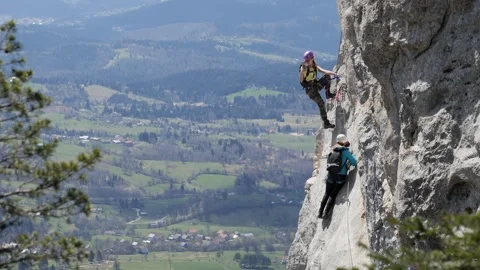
point(325, 71)
point(350, 158)
point(302, 74)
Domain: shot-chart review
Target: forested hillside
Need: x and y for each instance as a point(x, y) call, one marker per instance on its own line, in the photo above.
point(206, 135)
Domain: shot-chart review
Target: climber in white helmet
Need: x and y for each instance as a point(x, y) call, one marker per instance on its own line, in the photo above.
point(338, 163)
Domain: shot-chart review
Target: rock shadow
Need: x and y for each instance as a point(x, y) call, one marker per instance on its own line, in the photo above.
point(340, 119)
point(346, 190)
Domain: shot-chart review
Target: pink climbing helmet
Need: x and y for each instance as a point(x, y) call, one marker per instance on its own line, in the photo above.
point(308, 55)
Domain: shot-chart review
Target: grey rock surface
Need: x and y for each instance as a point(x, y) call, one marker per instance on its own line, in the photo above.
point(411, 73)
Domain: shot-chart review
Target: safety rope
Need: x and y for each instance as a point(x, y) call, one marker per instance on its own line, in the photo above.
point(338, 100)
point(348, 224)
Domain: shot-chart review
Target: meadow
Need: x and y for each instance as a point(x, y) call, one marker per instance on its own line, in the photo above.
point(253, 92)
point(215, 181)
point(185, 261)
point(300, 143)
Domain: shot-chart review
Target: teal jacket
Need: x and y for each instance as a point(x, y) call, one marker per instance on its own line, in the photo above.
point(347, 158)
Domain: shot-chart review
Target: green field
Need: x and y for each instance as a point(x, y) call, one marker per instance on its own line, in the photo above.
point(305, 143)
point(182, 170)
point(215, 181)
point(189, 261)
point(135, 179)
point(37, 87)
point(66, 152)
point(204, 226)
point(253, 92)
point(156, 207)
point(294, 121)
point(99, 93)
point(268, 185)
point(82, 124)
point(122, 53)
point(269, 57)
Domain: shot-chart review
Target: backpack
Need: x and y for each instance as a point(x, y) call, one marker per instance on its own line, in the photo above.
point(334, 161)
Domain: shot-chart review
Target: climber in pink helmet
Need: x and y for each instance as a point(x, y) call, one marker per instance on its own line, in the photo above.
point(312, 85)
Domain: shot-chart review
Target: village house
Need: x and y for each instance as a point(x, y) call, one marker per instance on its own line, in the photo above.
point(157, 224)
point(9, 245)
point(110, 233)
point(152, 237)
point(143, 250)
point(219, 240)
point(175, 237)
point(97, 210)
point(192, 231)
point(199, 237)
point(128, 143)
point(223, 234)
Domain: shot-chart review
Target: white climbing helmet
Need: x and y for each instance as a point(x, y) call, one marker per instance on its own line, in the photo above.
point(341, 138)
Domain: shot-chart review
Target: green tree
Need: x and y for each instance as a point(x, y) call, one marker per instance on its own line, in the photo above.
point(24, 265)
point(116, 265)
point(43, 265)
point(91, 256)
point(34, 188)
point(246, 247)
point(269, 247)
point(237, 257)
point(99, 256)
point(219, 254)
point(451, 242)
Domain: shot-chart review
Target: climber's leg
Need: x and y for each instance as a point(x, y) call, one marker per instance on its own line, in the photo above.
point(328, 190)
point(313, 93)
point(333, 195)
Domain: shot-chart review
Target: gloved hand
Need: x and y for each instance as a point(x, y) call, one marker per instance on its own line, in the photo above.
point(347, 144)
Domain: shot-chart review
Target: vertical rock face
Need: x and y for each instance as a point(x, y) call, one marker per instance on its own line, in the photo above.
point(411, 70)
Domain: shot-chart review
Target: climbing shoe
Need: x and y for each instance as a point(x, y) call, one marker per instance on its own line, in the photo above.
point(328, 125)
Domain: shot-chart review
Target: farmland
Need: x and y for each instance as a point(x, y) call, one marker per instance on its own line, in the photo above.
point(231, 183)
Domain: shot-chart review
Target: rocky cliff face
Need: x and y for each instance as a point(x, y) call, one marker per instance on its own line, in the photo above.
point(412, 75)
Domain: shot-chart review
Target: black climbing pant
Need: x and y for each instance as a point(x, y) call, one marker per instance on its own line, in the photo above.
point(313, 92)
point(335, 183)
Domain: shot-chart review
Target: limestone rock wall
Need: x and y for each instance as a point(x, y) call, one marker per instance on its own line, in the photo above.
point(411, 70)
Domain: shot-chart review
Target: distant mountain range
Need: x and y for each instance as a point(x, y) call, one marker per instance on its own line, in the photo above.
point(67, 9)
point(149, 40)
point(287, 21)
